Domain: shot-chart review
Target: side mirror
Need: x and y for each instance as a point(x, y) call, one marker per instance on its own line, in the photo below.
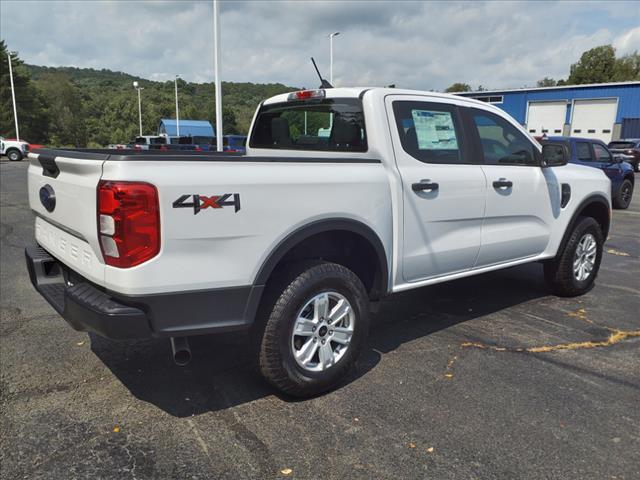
point(554, 155)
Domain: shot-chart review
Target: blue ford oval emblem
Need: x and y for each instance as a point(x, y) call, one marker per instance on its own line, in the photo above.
point(48, 198)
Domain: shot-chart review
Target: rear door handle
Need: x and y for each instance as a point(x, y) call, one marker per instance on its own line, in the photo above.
point(502, 184)
point(425, 185)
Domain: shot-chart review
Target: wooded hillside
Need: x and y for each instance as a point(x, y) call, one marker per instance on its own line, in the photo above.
point(67, 106)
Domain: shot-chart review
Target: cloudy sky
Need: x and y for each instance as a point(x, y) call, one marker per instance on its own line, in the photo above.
point(423, 45)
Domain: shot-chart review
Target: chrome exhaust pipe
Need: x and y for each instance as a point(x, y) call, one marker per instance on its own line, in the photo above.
point(181, 351)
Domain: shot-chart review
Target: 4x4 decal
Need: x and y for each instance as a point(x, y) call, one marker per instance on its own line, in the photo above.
point(200, 202)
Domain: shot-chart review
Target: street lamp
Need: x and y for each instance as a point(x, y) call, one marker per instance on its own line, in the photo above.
point(334, 34)
point(13, 96)
point(137, 86)
point(177, 111)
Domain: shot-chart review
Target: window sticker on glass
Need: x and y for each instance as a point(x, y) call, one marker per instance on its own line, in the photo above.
point(435, 130)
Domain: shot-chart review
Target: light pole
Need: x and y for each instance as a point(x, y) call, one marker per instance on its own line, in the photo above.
point(334, 34)
point(216, 69)
point(177, 111)
point(137, 86)
point(13, 96)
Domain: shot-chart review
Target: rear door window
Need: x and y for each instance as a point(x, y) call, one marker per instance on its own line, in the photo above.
point(583, 152)
point(327, 124)
point(429, 132)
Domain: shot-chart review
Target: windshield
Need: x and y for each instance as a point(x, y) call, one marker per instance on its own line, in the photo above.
point(323, 125)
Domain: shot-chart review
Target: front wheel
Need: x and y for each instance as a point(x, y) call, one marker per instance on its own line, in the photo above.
point(14, 155)
point(315, 330)
point(622, 199)
point(575, 268)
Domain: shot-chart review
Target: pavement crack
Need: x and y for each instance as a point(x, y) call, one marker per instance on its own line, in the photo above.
point(448, 372)
point(615, 337)
point(619, 253)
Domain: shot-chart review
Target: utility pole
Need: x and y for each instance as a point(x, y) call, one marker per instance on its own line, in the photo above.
point(137, 86)
point(177, 111)
point(216, 68)
point(13, 96)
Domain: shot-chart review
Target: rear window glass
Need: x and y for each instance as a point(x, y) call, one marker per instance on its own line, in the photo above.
point(324, 125)
point(203, 140)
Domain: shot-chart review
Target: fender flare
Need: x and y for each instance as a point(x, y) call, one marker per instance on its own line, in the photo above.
point(320, 226)
point(595, 198)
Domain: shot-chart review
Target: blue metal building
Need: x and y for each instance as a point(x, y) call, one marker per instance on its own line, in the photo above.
point(191, 128)
point(607, 111)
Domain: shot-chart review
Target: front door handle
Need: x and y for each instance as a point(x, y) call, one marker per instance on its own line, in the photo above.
point(502, 184)
point(425, 185)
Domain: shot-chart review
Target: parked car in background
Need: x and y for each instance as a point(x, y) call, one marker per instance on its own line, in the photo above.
point(144, 142)
point(235, 143)
point(629, 149)
point(13, 149)
point(594, 153)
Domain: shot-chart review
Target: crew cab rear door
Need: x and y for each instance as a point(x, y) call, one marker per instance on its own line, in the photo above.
point(62, 189)
point(443, 189)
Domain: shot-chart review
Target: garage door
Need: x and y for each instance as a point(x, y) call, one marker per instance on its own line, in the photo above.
point(546, 117)
point(594, 118)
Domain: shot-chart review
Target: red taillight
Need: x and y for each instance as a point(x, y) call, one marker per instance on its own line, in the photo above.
point(128, 222)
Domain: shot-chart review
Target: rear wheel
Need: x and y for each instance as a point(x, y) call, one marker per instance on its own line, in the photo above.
point(623, 197)
point(575, 269)
point(14, 155)
point(315, 330)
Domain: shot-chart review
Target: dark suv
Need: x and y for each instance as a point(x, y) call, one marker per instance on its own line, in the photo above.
point(594, 153)
point(630, 149)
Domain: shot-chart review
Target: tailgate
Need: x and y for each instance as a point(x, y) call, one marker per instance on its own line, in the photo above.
point(63, 195)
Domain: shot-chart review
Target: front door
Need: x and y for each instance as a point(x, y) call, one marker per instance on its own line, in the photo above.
point(522, 198)
point(443, 190)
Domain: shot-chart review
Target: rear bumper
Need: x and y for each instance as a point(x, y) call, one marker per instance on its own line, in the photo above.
point(82, 305)
point(87, 307)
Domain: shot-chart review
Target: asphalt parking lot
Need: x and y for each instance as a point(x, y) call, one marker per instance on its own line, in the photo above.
point(486, 377)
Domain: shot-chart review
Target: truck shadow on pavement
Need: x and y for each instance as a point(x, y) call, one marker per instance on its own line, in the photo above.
point(223, 373)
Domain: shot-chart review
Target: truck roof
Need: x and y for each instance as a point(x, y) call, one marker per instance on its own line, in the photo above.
point(355, 92)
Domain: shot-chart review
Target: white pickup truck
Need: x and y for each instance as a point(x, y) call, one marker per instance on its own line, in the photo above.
point(292, 241)
point(15, 150)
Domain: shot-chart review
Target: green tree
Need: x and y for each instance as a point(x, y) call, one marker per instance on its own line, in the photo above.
point(546, 82)
point(229, 125)
point(595, 66)
point(32, 116)
point(67, 119)
point(458, 87)
point(627, 68)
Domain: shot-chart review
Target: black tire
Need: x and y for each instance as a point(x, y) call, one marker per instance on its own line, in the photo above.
point(559, 272)
point(276, 357)
point(622, 199)
point(14, 155)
